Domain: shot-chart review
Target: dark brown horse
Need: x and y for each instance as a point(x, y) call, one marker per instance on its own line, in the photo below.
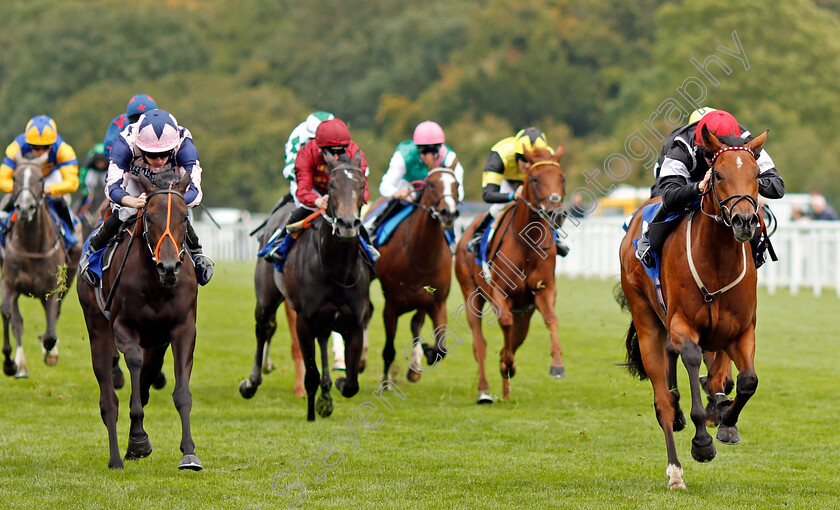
point(326, 281)
point(522, 266)
point(269, 299)
point(415, 268)
point(707, 250)
point(152, 292)
point(36, 263)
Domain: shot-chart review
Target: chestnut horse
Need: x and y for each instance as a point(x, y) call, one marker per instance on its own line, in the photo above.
point(415, 267)
point(152, 293)
point(707, 250)
point(36, 263)
point(269, 299)
point(522, 258)
point(326, 281)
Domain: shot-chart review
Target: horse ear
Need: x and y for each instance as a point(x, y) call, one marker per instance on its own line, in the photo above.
point(330, 159)
point(710, 141)
point(183, 183)
point(146, 183)
point(454, 164)
point(357, 159)
point(756, 143)
point(558, 153)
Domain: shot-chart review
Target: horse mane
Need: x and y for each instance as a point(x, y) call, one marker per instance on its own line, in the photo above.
point(162, 180)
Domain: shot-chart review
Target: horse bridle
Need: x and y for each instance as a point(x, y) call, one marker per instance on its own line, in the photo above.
point(538, 208)
point(725, 215)
point(38, 199)
point(167, 233)
point(432, 209)
point(329, 219)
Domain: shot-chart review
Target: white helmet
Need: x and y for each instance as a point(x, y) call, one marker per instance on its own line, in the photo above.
point(157, 131)
point(314, 120)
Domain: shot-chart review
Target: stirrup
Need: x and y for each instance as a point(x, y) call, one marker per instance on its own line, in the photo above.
point(562, 248)
point(644, 255)
point(485, 270)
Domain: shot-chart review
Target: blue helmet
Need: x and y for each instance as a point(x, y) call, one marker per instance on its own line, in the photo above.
point(140, 104)
point(157, 132)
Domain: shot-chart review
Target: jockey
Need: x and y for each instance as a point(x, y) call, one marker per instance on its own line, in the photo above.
point(61, 168)
point(92, 175)
point(299, 136)
point(504, 174)
point(137, 106)
point(685, 172)
point(155, 143)
point(693, 118)
point(412, 161)
point(312, 176)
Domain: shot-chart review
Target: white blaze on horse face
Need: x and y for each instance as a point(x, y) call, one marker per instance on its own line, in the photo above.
point(740, 163)
point(448, 182)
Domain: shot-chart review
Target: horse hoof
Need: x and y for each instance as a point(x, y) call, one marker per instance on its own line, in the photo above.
point(247, 389)
point(268, 367)
point(338, 364)
point(22, 374)
point(159, 382)
point(50, 360)
point(138, 449)
point(190, 461)
point(10, 368)
point(412, 376)
point(484, 397)
point(704, 453)
point(679, 420)
point(299, 391)
point(728, 435)
point(118, 378)
point(557, 372)
point(324, 404)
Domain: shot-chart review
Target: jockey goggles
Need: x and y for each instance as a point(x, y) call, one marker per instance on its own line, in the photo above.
point(336, 150)
point(157, 155)
point(429, 149)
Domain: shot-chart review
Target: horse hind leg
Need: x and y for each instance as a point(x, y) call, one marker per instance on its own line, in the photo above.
point(12, 317)
point(679, 416)
point(390, 318)
point(324, 404)
point(49, 340)
point(514, 338)
point(266, 324)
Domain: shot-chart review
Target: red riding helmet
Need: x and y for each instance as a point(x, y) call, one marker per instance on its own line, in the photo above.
point(719, 123)
point(333, 132)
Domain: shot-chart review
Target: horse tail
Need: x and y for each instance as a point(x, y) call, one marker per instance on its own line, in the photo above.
point(620, 298)
point(634, 354)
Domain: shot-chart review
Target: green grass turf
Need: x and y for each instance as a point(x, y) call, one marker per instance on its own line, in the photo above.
point(589, 441)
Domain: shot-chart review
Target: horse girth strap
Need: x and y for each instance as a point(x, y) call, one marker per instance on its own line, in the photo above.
point(35, 255)
point(709, 296)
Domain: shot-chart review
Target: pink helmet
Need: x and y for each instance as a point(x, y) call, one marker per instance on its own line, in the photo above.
point(157, 131)
point(428, 133)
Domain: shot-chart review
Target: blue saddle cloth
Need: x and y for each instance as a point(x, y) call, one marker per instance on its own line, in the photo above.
point(484, 244)
point(95, 258)
point(648, 213)
point(285, 245)
point(383, 233)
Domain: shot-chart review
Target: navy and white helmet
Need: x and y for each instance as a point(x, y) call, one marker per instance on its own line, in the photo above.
point(157, 131)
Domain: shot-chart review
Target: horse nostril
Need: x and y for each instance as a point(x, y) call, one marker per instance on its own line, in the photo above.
point(754, 221)
point(357, 223)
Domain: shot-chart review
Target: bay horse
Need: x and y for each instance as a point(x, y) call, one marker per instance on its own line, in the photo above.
point(415, 267)
point(269, 298)
point(706, 251)
point(522, 270)
point(36, 263)
point(152, 293)
point(326, 281)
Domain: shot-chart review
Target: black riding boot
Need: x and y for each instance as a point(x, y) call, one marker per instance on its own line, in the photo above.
point(110, 227)
point(562, 248)
point(63, 211)
point(473, 244)
point(203, 263)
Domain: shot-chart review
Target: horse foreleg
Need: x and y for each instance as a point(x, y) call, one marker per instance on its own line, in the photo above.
point(128, 341)
point(102, 354)
point(416, 354)
point(324, 404)
point(472, 308)
point(544, 299)
point(513, 340)
point(297, 356)
point(742, 352)
point(17, 331)
point(10, 366)
point(390, 318)
point(49, 341)
point(349, 385)
point(183, 348)
point(682, 339)
point(307, 348)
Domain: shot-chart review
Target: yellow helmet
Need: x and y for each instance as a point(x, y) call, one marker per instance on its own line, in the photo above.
point(530, 138)
point(697, 114)
point(41, 130)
